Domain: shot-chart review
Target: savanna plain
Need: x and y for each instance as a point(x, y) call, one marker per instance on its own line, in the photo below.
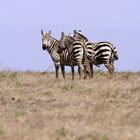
point(36, 106)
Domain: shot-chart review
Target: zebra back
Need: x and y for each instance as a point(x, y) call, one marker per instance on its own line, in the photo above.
point(104, 52)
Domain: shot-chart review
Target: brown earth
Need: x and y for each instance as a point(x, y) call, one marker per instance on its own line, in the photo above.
point(35, 106)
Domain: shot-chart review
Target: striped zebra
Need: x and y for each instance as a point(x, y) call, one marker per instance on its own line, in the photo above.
point(88, 66)
point(62, 50)
point(51, 45)
point(74, 50)
point(99, 53)
point(105, 53)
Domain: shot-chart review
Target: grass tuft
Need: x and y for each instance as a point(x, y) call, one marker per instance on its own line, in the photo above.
point(67, 86)
point(20, 113)
point(62, 132)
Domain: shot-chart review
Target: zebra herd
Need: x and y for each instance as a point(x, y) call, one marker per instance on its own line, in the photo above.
point(79, 51)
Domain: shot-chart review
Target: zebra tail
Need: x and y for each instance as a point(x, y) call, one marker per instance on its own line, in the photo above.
point(114, 53)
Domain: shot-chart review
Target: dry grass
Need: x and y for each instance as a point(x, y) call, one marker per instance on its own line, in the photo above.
point(35, 106)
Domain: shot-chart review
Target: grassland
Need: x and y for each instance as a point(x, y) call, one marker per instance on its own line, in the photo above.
point(35, 106)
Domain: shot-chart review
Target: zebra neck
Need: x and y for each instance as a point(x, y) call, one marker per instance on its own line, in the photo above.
point(53, 46)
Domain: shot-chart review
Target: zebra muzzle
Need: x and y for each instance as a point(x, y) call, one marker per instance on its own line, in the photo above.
point(44, 47)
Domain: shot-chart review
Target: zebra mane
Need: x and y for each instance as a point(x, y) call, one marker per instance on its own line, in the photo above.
point(81, 36)
point(52, 38)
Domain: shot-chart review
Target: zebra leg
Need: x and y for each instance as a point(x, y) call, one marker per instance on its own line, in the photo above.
point(72, 69)
point(63, 70)
point(91, 69)
point(113, 68)
point(56, 70)
point(110, 69)
point(80, 70)
point(85, 71)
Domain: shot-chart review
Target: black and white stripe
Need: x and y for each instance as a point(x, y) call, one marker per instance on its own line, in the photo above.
point(105, 53)
point(51, 45)
point(74, 50)
point(99, 53)
point(88, 66)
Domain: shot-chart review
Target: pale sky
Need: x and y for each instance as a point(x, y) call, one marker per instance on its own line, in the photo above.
point(21, 21)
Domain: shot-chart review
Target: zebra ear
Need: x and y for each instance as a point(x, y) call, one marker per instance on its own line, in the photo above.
point(49, 32)
point(42, 32)
point(74, 31)
point(62, 34)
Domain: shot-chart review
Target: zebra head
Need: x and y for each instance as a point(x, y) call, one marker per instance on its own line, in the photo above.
point(65, 42)
point(79, 36)
point(61, 45)
point(46, 41)
point(115, 54)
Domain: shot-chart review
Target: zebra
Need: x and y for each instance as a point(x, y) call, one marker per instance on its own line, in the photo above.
point(62, 50)
point(99, 53)
point(88, 66)
point(74, 50)
point(51, 45)
point(105, 53)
